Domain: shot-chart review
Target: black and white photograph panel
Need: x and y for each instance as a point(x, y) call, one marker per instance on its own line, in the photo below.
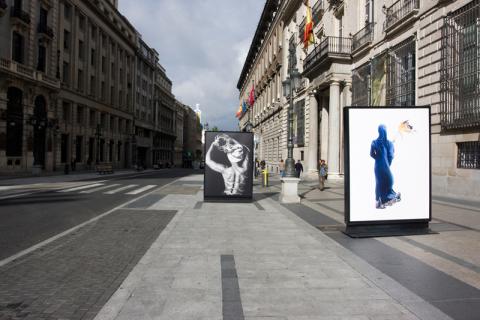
point(389, 162)
point(228, 165)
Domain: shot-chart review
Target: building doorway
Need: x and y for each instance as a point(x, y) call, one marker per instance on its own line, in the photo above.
point(39, 122)
point(14, 122)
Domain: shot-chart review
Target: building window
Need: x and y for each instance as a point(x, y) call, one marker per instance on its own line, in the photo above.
point(80, 80)
point(104, 64)
point(468, 156)
point(66, 40)
point(81, 22)
point(80, 113)
point(81, 50)
point(299, 123)
point(66, 73)
point(112, 95)
point(102, 90)
point(67, 11)
point(92, 57)
point(17, 47)
point(460, 71)
point(42, 58)
point(66, 112)
point(92, 121)
point(93, 84)
point(361, 86)
point(401, 74)
point(78, 149)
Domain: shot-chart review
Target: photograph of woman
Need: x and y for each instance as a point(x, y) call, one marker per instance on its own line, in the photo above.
point(232, 160)
point(382, 150)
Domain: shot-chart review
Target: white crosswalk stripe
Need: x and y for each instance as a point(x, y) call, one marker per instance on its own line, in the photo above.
point(82, 187)
point(121, 189)
point(100, 188)
point(150, 186)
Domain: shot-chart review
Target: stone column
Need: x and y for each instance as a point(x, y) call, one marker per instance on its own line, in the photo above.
point(333, 161)
point(313, 136)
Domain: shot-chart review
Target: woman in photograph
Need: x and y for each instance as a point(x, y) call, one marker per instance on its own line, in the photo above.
point(234, 169)
point(382, 151)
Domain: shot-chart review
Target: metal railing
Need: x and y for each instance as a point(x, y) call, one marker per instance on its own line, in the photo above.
point(330, 45)
point(17, 12)
point(43, 28)
point(468, 155)
point(399, 10)
point(362, 37)
point(460, 68)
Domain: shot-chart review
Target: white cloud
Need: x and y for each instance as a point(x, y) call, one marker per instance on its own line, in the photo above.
point(203, 45)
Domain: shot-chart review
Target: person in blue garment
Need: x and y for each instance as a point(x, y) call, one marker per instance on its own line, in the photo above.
point(382, 151)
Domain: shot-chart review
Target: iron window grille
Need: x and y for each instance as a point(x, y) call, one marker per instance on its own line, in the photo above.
point(401, 74)
point(361, 86)
point(460, 72)
point(399, 11)
point(468, 156)
point(317, 12)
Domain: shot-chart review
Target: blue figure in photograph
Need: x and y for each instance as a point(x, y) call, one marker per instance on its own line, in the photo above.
point(382, 151)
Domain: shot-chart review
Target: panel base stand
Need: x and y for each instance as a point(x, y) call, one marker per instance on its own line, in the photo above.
point(388, 230)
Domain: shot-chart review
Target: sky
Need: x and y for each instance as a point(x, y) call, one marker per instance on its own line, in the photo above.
point(202, 44)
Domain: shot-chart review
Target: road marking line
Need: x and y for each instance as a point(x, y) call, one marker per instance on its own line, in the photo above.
point(100, 188)
point(150, 186)
point(82, 187)
point(121, 189)
point(16, 195)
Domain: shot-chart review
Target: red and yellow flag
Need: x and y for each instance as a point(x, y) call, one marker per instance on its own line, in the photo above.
point(308, 36)
point(239, 112)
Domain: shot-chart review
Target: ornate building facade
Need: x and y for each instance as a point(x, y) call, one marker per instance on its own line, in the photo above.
point(394, 53)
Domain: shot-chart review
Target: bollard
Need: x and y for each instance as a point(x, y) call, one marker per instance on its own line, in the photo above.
point(265, 177)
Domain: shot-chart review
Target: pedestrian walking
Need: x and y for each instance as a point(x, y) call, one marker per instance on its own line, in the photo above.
point(298, 168)
point(322, 174)
point(281, 167)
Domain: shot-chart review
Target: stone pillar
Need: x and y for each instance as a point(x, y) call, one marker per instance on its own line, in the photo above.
point(313, 137)
point(324, 129)
point(333, 161)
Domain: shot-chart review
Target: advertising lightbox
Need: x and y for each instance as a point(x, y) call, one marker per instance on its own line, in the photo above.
point(228, 166)
point(387, 165)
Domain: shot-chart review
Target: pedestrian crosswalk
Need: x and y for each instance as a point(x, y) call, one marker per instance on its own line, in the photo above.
point(109, 189)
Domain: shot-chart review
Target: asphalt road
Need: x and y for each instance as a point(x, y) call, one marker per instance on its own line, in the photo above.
point(30, 219)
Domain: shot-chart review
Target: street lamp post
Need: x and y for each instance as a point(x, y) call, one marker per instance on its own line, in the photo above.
point(289, 192)
point(289, 85)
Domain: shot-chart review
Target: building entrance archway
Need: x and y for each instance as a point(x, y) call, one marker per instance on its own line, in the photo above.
point(14, 122)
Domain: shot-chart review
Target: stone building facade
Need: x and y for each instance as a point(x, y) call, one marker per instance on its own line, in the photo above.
point(178, 146)
point(29, 85)
point(85, 52)
point(165, 110)
point(192, 137)
point(427, 53)
point(79, 86)
point(394, 53)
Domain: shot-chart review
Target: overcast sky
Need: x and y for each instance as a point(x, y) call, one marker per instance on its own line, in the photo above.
point(202, 44)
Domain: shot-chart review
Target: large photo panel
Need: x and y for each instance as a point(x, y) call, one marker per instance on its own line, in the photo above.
point(388, 154)
point(228, 165)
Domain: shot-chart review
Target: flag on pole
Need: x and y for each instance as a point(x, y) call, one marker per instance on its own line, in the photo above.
point(244, 106)
point(251, 97)
point(308, 37)
point(239, 111)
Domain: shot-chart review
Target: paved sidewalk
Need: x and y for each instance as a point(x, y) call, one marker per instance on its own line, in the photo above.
point(253, 261)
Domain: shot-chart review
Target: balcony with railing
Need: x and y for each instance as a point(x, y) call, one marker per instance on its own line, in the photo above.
point(18, 15)
point(330, 49)
point(400, 12)
point(20, 70)
point(362, 38)
point(45, 30)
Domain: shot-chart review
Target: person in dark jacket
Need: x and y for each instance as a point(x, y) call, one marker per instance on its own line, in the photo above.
point(298, 168)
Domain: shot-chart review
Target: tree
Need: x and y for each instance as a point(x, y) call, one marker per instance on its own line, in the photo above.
point(215, 129)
